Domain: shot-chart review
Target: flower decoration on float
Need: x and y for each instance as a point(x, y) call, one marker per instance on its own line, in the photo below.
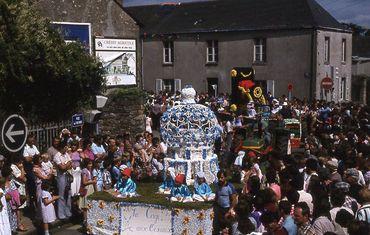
point(185, 232)
point(101, 204)
point(176, 211)
point(212, 215)
point(200, 232)
point(186, 220)
point(89, 229)
point(111, 218)
point(201, 215)
point(89, 206)
point(100, 222)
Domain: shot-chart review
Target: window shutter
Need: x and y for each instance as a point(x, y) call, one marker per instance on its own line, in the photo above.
point(158, 85)
point(177, 85)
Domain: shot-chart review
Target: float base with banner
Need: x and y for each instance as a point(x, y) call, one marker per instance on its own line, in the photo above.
point(130, 218)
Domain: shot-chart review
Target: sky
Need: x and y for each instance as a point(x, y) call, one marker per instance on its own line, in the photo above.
point(349, 11)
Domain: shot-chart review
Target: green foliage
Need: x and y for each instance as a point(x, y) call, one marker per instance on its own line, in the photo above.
point(129, 92)
point(41, 76)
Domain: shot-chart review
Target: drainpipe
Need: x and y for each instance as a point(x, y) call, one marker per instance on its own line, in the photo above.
point(313, 65)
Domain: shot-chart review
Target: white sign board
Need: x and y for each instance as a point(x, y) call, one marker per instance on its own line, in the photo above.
point(145, 221)
point(106, 44)
point(118, 57)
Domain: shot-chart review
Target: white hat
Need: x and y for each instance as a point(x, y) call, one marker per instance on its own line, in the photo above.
point(122, 167)
point(285, 103)
point(275, 101)
point(241, 153)
point(200, 174)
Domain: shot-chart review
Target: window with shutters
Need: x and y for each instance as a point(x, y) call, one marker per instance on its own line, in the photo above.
point(212, 51)
point(168, 52)
point(344, 50)
point(327, 50)
point(259, 50)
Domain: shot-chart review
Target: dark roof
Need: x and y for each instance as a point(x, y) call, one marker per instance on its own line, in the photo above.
point(232, 15)
point(361, 46)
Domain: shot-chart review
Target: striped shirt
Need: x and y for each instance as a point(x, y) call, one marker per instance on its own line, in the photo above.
point(363, 214)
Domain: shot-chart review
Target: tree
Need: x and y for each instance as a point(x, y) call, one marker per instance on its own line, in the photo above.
point(41, 76)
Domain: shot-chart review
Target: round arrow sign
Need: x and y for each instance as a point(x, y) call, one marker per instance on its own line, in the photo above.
point(14, 133)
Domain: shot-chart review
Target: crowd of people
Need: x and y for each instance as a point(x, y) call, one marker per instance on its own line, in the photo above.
point(323, 189)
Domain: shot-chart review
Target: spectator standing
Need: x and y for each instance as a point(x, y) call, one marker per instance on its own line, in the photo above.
point(64, 180)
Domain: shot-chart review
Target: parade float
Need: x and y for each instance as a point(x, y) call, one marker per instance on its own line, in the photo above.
point(189, 130)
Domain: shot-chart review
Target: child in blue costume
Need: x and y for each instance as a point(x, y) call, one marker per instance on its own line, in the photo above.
point(168, 182)
point(202, 190)
point(180, 192)
point(125, 186)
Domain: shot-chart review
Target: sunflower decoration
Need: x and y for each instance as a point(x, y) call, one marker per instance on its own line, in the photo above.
point(115, 233)
point(89, 206)
point(212, 215)
point(117, 205)
point(177, 211)
point(111, 218)
point(101, 204)
point(89, 229)
point(233, 73)
point(100, 222)
point(201, 215)
point(200, 232)
point(185, 232)
point(257, 92)
point(186, 220)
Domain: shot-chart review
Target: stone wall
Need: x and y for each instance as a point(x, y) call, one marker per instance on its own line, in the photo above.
point(123, 113)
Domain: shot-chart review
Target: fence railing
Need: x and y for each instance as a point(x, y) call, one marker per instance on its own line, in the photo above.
point(44, 133)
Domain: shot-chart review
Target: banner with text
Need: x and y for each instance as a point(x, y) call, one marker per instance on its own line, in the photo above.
point(145, 220)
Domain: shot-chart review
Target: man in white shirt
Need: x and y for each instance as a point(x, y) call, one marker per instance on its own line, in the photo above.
point(29, 151)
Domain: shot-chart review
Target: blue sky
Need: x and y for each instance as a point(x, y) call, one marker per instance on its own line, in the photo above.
point(354, 11)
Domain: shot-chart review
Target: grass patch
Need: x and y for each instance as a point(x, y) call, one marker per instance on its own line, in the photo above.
point(148, 195)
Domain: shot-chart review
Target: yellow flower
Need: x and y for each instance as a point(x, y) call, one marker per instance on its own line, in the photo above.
point(89, 229)
point(100, 222)
point(118, 205)
point(115, 233)
point(201, 216)
point(186, 220)
point(200, 232)
point(177, 211)
point(89, 206)
point(212, 215)
point(111, 218)
point(185, 232)
point(101, 204)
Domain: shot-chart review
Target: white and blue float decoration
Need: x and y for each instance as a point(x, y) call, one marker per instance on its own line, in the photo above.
point(190, 130)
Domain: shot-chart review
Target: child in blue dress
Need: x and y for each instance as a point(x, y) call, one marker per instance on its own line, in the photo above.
point(180, 192)
point(202, 190)
point(169, 181)
point(125, 186)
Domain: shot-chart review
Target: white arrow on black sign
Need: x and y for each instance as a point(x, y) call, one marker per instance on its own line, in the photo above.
point(10, 133)
point(14, 133)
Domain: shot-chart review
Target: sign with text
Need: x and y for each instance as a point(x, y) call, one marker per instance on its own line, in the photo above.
point(118, 57)
point(145, 220)
point(77, 120)
point(106, 44)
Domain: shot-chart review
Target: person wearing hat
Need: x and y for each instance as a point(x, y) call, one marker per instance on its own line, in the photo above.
point(180, 192)
point(349, 202)
point(169, 181)
point(332, 165)
point(125, 186)
point(202, 190)
point(351, 176)
point(239, 159)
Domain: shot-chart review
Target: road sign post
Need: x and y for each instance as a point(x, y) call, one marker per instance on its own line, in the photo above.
point(14, 133)
point(327, 83)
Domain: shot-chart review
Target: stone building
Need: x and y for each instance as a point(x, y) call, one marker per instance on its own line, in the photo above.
point(99, 24)
point(361, 69)
point(287, 42)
